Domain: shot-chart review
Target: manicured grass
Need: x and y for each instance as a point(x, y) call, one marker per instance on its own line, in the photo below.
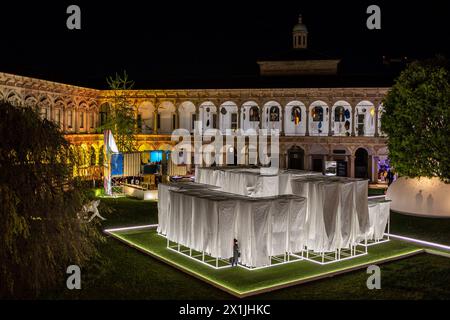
point(245, 282)
point(376, 192)
point(130, 212)
point(429, 229)
point(123, 273)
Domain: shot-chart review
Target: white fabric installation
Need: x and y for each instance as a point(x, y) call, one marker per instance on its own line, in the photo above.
point(335, 212)
point(269, 214)
point(209, 220)
point(378, 219)
point(251, 182)
point(164, 200)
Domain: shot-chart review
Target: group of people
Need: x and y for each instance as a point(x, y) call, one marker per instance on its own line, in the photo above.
point(386, 174)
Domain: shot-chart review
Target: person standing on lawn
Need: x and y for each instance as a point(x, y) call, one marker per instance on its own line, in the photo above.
point(234, 261)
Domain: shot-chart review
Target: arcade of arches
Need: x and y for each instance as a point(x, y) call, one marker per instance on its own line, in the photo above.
point(315, 124)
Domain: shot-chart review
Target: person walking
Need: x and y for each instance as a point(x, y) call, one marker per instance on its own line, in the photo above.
point(235, 259)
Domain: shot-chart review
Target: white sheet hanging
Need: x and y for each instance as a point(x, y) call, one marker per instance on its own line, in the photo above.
point(322, 213)
point(379, 212)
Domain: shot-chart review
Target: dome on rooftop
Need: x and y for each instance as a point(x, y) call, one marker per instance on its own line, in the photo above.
point(300, 27)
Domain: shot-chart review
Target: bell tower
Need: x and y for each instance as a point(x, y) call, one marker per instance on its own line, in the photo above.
point(300, 35)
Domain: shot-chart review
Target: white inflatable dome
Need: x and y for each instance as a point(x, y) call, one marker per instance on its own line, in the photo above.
point(420, 196)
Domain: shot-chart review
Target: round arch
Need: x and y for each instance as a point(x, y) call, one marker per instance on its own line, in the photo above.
point(145, 116)
point(296, 158)
point(208, 115)
point(250, 116)
point(341, 118)
point(187, 115)
point(295, 118)
point(271, 115)
point(361, 163)
point(228, 116)
point(365, 119)
point(318, 118)
point(166, 117)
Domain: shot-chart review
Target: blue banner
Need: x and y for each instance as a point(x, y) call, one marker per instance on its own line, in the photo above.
point(117, 164)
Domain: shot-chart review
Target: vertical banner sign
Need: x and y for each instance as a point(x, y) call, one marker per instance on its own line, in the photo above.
point(110, 147)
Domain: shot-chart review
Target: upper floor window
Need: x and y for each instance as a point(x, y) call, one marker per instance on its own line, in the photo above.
point(254, 113)
point(317, 114)
point(274, 114)
point(339, 114)
point(296, 115)
point(58, 116)
point(69, 119)
point(234, 121)
point(92, 120)
point(81, 119)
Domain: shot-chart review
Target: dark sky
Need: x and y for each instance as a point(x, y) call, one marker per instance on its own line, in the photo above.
point(158, 41)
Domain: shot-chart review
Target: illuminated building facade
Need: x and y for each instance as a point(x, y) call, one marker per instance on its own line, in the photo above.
point(316, 124)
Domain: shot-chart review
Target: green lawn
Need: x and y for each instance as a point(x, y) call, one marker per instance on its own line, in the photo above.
point(429, 229)
point(125, 273)
point(243, 282)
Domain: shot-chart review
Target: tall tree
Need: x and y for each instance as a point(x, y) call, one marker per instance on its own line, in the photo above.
point(121, 118)
point(416, 118)
point(40, 231)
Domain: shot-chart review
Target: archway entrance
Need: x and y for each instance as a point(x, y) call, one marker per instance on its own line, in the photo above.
point(361, 163)
point(296, 157)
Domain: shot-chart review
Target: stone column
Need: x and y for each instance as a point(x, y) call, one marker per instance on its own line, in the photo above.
point(353, 120)
point(177, 122)
point(376, 120)
point(370, 168)
point(352, 166)
point(329, 121)
point(155, 120)
point(310, 160)
point(64, 120)
point(261, 117)
point(75, 123)
point(282, 121)
point(374, 169)
point(197, 114)
point(307, 122)
point(239, 111)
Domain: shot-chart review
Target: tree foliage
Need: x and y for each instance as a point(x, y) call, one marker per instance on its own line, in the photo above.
point(121, 118)
point(40, 232)
point(416, 118)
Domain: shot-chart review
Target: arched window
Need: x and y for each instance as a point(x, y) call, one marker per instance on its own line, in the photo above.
point(104, 110)
point(274, 114)
point(296, 115)
point(69, 119)
point(317, 114)
point(339, 114)
point(254, 113)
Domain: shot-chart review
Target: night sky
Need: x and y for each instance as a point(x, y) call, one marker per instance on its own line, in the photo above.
point(165, 41)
